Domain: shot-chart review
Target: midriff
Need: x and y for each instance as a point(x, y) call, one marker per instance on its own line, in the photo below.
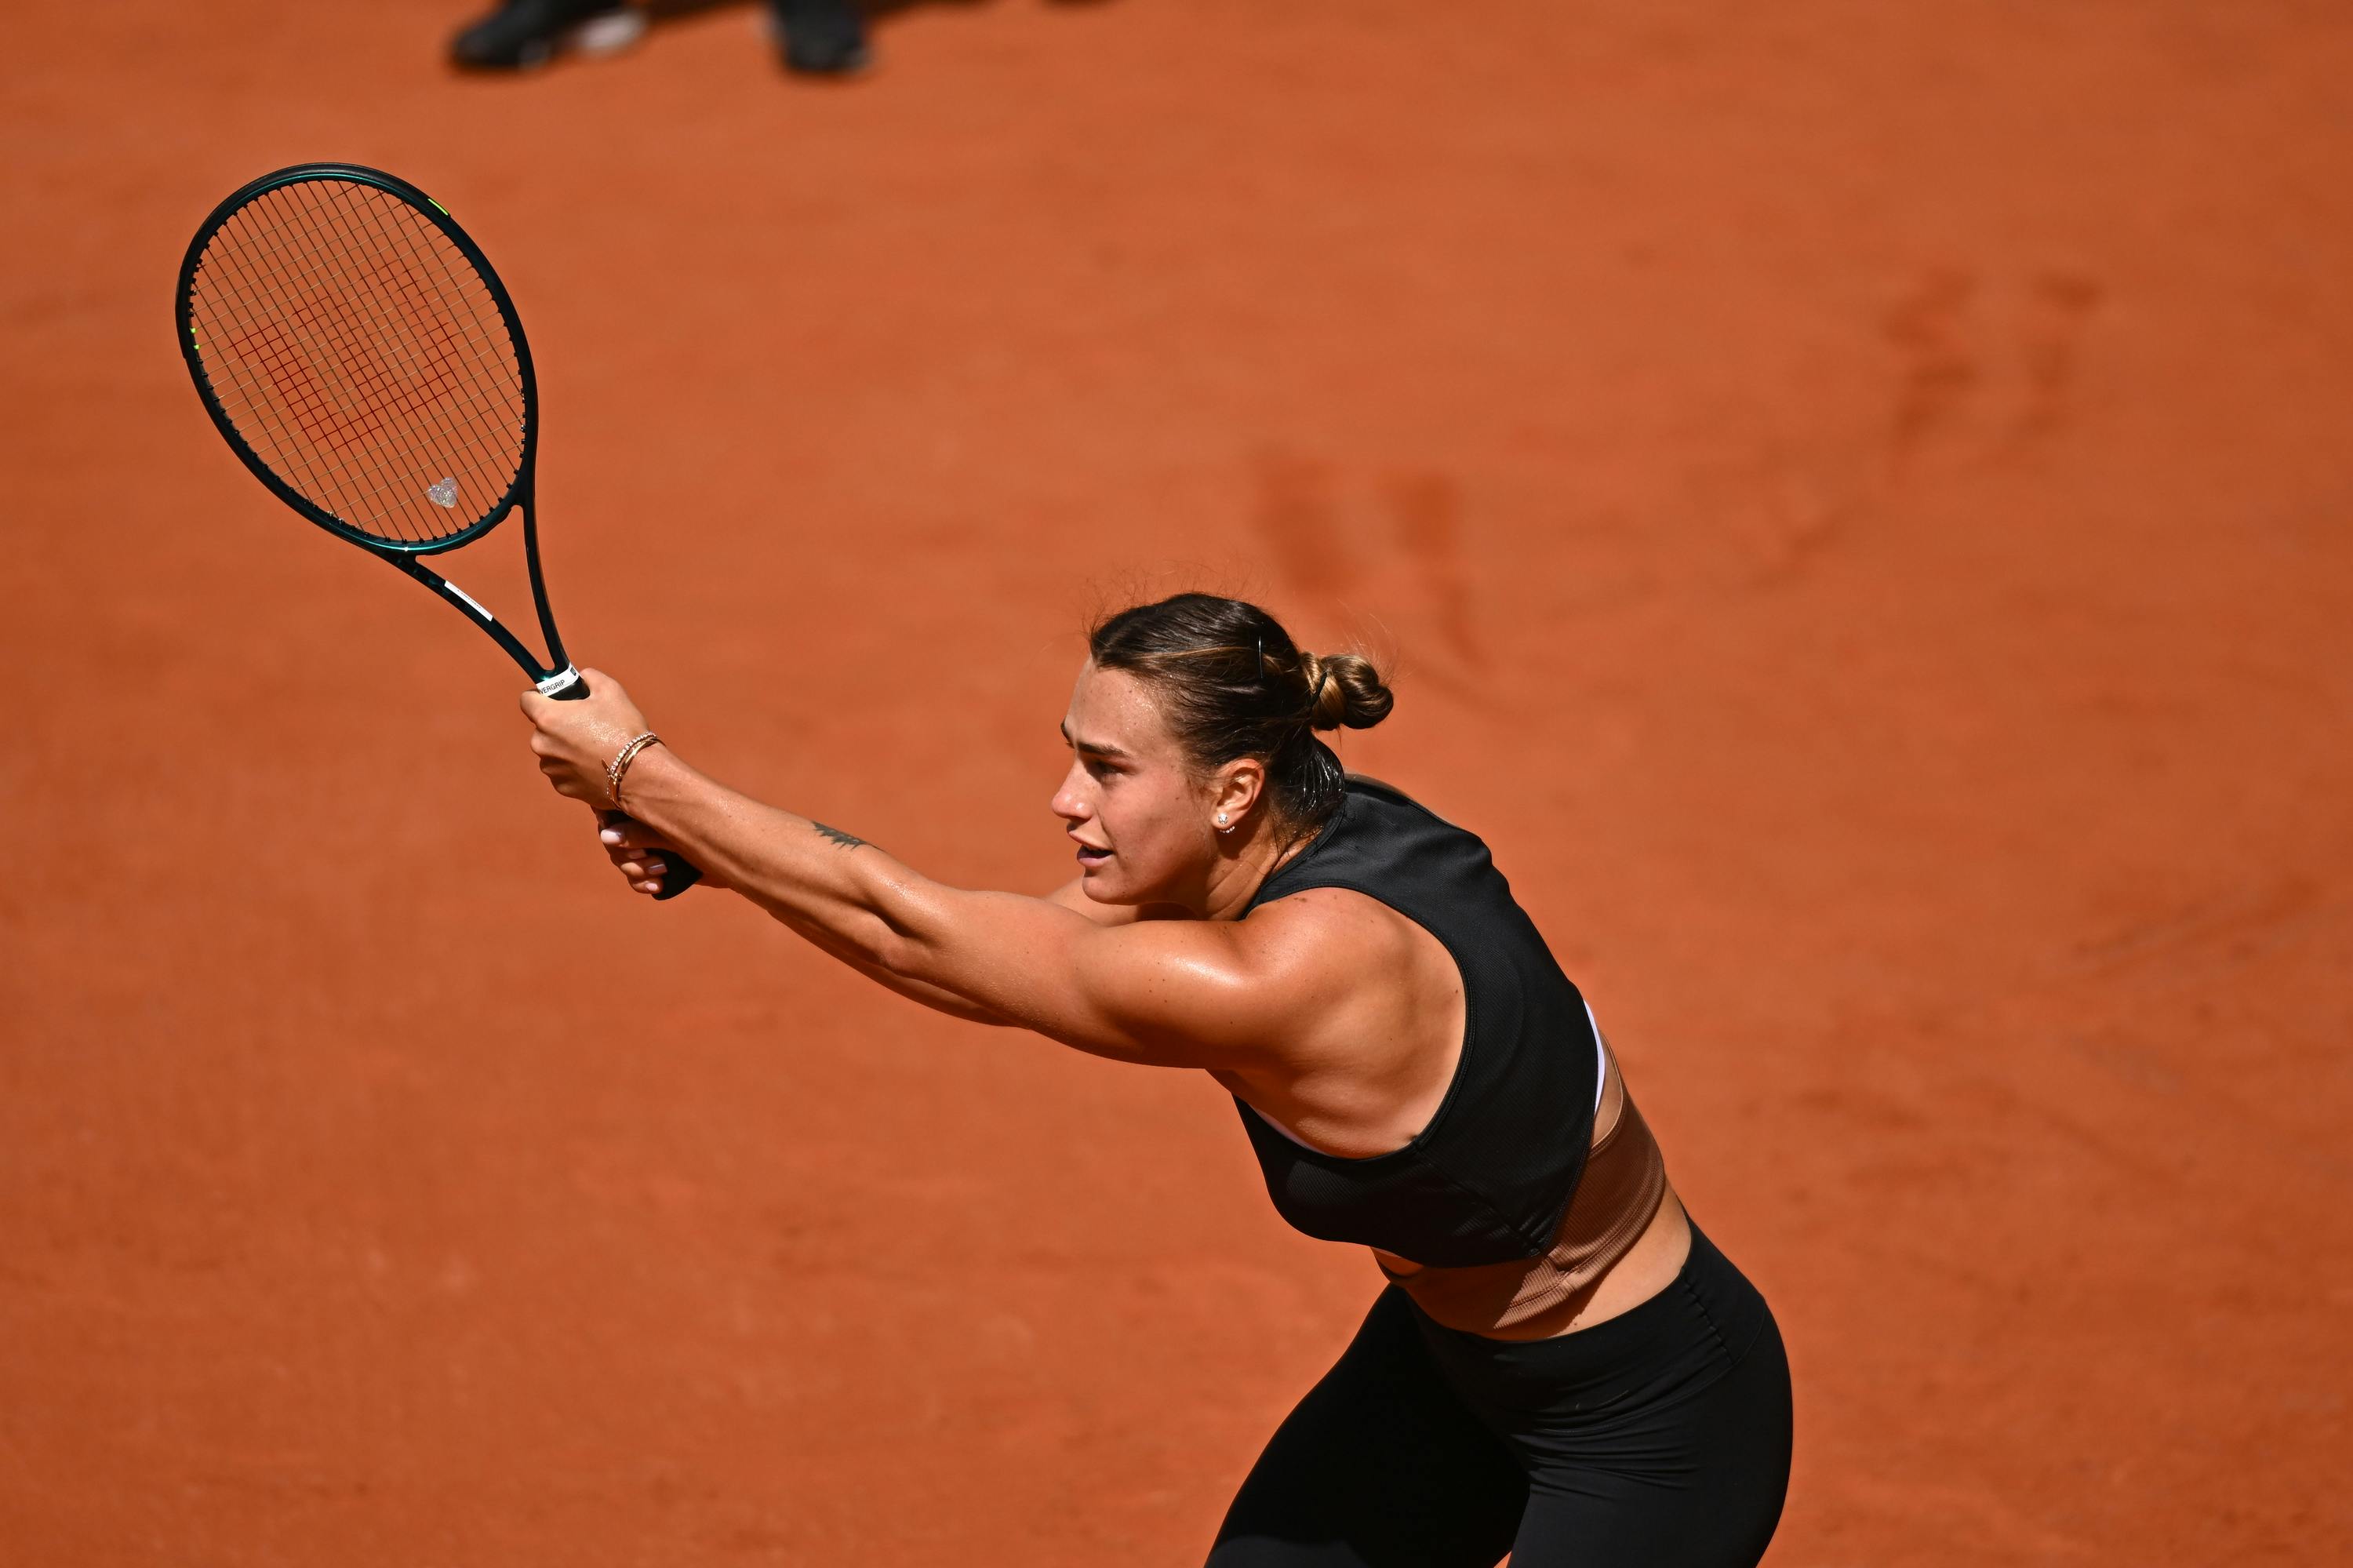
point(1649, 1267)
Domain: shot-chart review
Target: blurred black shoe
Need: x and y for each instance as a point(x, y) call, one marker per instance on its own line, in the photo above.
point(820, 38)
point(522, 33)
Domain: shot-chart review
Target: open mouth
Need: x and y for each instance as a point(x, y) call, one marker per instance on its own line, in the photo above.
point(1089, 855)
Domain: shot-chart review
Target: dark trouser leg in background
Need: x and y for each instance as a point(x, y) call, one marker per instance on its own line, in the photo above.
point(822, 38)
point(522, 33)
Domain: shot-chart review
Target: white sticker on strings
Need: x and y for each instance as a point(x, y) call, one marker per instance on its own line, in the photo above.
point(444, 494)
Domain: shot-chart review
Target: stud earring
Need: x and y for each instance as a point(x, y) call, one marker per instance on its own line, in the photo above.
point(1221, 819)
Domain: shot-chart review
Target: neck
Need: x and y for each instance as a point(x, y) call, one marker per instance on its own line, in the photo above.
point(1245, 860)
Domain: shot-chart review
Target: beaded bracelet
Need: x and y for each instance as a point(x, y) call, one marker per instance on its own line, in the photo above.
point(620, 763)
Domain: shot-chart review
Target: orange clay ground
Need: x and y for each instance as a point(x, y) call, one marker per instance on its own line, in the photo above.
point(1862, 503)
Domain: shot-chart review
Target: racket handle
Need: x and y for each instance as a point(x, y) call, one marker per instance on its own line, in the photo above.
point(678, 873)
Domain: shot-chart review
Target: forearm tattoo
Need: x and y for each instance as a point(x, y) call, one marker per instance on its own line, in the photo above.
point(847, 841)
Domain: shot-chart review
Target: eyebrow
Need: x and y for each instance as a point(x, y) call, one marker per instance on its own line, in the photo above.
point(1096, 746)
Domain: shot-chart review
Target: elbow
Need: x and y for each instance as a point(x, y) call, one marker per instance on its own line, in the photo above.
point(877, 945)
point(893, 938)
point(898, 948)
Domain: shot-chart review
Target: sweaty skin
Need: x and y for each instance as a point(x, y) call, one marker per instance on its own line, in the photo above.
point(1331, 1014)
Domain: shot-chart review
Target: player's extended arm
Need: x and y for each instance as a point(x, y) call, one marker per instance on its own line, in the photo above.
point(631, 859)
point(939, 999)
point(1174, 993)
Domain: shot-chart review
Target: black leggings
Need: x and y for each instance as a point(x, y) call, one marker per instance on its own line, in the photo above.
point(1658, 1437)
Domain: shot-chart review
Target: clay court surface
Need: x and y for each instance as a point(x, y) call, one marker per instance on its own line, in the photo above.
point(1861, 499)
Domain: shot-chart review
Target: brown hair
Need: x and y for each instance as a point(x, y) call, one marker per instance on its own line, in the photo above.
point(1231, 683)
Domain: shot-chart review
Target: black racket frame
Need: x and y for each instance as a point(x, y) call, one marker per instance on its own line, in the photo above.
point(557, 678)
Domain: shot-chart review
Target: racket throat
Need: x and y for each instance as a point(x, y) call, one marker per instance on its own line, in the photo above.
point(469, 600)
point(556, 677)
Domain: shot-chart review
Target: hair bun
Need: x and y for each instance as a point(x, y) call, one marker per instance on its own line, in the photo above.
point(1342, 689)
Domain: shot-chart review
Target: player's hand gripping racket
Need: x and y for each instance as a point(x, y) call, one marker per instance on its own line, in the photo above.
point(356, 349)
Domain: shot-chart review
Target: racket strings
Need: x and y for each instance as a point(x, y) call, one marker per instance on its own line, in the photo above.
point(362, 358)
point(277, 353)
point(331, 420)
point(253, 416)
point(459, 311)
point(427, 383)
point(380, 388)
point(343, 278)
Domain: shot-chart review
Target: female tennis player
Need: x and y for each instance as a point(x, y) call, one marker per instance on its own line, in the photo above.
point(1562, 1366)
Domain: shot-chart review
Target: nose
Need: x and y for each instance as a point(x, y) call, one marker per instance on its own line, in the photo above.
point(1069, 802)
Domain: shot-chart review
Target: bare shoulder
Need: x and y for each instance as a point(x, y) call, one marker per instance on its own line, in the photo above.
point(1336, 930)
point(1369, 988)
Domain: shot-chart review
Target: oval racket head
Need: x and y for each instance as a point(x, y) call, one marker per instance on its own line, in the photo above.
point(361, 356)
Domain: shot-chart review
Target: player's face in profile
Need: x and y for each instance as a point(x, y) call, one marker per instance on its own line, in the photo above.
point(1139, 817)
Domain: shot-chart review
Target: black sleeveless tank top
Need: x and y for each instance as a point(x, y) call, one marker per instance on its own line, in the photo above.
point(1488, 1179)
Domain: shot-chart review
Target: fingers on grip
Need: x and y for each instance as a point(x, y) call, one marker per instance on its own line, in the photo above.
point(678, 873)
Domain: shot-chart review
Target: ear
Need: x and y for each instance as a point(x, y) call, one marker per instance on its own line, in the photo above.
point(1236, 790)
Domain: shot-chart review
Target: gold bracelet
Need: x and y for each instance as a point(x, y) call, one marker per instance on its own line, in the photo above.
point(620, 765)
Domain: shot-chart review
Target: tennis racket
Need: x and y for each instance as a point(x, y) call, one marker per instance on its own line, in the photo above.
point(356, 351)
